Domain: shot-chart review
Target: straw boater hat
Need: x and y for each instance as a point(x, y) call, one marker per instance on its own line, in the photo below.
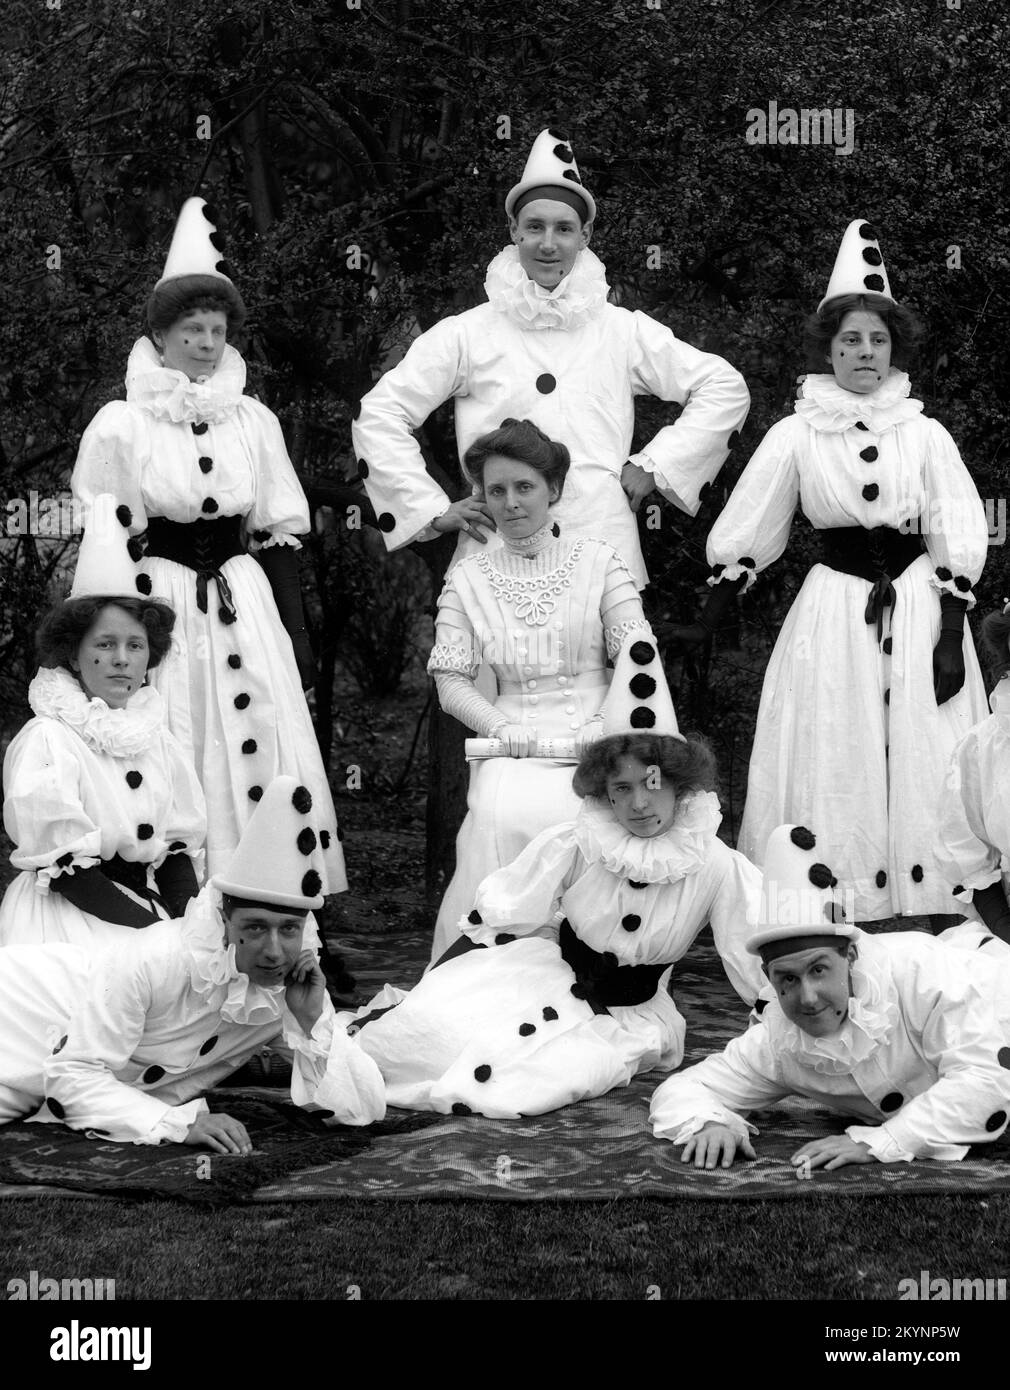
point(278, 860)
point(195, 262)
point(800, 907)
point(639, 700)
point(104, 567)
point(551, 172)
point(859, 266)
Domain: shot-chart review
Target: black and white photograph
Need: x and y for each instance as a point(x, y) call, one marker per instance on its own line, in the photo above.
point(504, 669)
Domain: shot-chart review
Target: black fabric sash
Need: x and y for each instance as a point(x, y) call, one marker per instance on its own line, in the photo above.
point(601, 981)
point(203, 546)
point(877, 555)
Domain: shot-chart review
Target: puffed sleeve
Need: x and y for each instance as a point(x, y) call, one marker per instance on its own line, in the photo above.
point(332, 1072)
point(752, 530)
point(114, 450)
point(103, 1034)
point(733, 917)
point(957, 535)
point(524, 897)
point(44, 812)
point(621, 606)
point(456, 648)
point(741, 1078)
point(956, 1030)
point(405, 496)
point(965, 854)
point(186, 828)
point(280, 513)
point(687, 455)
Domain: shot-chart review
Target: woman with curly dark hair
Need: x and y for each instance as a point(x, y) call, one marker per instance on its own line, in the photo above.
point(101, 802)
point(873, 678)
point(974, 850)
point(557, 989)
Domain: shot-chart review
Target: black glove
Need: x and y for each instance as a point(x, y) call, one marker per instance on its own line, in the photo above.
point(280, 562)
point(991, 905)
point(94, 892)
point(176, 880)
point(948, 654)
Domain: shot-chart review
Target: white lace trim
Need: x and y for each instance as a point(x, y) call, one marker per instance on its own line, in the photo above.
point(681, 850)
point(616, 635)
point(122, 733)
point(170, 395)
point(949, 586)
point(532, 596)
point(830, 409)
point(873, 1014)
point(580, 298)
point(212, 967)
point(532, 546)
point(448, 657)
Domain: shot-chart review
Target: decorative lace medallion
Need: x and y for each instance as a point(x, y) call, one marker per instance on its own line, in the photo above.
point(534, 597)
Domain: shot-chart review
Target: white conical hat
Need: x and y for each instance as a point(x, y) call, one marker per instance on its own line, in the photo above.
point(104, 567)
point(278, 859)
point(800, 897)
point(197, 245)
point(639, 700)
point(551, 164)
point(859, 266)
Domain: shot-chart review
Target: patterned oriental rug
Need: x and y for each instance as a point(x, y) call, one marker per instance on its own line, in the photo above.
point(596, 1150)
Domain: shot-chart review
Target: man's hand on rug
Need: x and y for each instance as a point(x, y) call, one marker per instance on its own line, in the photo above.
point(220, 1133)
point(305, 991)
point(834, 1152)
point(715, 1143)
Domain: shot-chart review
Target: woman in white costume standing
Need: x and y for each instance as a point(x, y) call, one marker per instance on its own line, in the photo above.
point(873, 678)
point(203, 470)
point(544, 611)
point(101, 802)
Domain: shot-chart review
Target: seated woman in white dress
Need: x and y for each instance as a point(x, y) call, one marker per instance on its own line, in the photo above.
point(558, 989)
point(544, 611)
point(974, 812)
point(101, 802)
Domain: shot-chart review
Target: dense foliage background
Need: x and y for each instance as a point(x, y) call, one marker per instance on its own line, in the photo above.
point(359, 157)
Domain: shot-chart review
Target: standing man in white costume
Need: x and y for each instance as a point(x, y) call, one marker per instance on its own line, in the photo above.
point(548, 347)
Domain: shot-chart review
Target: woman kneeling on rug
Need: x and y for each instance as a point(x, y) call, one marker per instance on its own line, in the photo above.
point(123, 1043)
point(558, 989)
point(904, 1032)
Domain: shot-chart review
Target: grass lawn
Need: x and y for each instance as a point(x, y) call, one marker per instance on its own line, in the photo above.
point(810, 1248)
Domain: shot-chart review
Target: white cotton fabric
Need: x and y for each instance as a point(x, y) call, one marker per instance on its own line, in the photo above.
point(539, 622)
point(974, 809)
point(922, 1058)
point(68, 805)
point(146, 452)
point(141, 1030)
point(599, 357)
point(476, 1010)
point(828, 751)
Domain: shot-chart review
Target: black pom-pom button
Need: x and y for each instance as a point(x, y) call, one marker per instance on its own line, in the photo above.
point(894, 1100)
point(474, 918)
point(916, 873)
point(546, 383)
point(482, 1073)
point(133, 780)
point(256, 793)
point(208, 1046)
point(869, 454)
point(152, 1075)
point(306, 840)
point(871, 492)
point(631, 922)
point(386, 522)
point(144, 831)
point(881, 879)
point(642, 653)
point(525, 1029)
point(206, 464)
point(995, 1121)
point(550, 1015)
point(458, 1108)
point(241, 701)
point(209, 506)
point(249, 745)
point(301, 800)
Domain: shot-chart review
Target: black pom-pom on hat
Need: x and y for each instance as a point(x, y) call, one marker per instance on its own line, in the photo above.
point(144, 584)
point(802, 838)
point(820, 876)
point(301, 800)
point(642, 653)
point(306, 841)
point(311, 884)
point(642, 686)
point(642, 717)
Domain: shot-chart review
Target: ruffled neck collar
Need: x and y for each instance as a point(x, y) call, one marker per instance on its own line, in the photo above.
point(123, 733)
point(830, 409)
point(531, 546)
point(212, 969)
point(873, 1013)
point(579, 298)
point(170, 395)
point(679, 851)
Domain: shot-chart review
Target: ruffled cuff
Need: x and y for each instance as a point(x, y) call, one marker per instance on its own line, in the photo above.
point(174, 1125)
point(964, 891)
point(958, 585)
point(741, 1128)
point(746, 565)
point(66, 864)
point(881, 1143)
point(644, 462)
point(333, 1074)
point(266, 540)
point(483, 933)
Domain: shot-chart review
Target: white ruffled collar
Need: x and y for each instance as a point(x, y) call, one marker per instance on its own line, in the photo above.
point(873, 1014)
point(170, 395)
point(830, 409)
point(212, 968)
point(580, 297)
point(123, 733)
point(679, 851)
